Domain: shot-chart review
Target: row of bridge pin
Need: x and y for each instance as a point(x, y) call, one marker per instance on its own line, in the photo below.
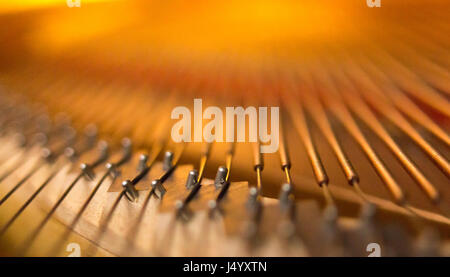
point(129, 188)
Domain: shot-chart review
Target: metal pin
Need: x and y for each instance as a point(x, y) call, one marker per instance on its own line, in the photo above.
point(285, 199)
point(70, 153)
point(87, 171)
point(254, 208)
point(214, 204)
point(192, 178)
point(168, 160)
point(158, 188)
point(221, 175)
point(252, 198)
point(130, 191)
point(181, 206)
point(142, 162)
point(127, 147)
point(112, 170)
point(287, 227)
point(254, 205)
point(91, 133)
point(47, 154)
